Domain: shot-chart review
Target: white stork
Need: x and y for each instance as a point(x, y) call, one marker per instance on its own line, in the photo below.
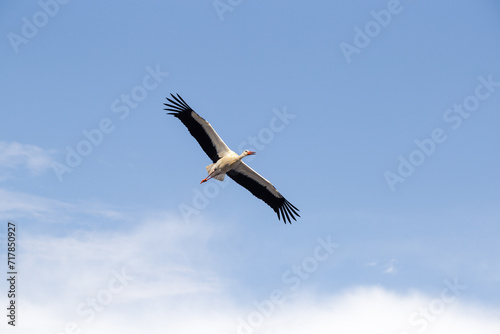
point(228, 162)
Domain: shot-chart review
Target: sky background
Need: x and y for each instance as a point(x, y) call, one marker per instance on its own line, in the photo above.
point(377, 119)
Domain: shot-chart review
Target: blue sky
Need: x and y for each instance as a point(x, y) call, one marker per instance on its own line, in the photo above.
point(378, 120)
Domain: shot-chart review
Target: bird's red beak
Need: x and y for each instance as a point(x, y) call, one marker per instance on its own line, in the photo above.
point(251, 153)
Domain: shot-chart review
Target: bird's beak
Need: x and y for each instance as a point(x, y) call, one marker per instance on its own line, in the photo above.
point(252, 153)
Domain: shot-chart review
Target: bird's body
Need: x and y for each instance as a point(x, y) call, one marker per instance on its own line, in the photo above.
point(228, 162)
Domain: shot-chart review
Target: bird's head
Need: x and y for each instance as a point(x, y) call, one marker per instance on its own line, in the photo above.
point(247, 152)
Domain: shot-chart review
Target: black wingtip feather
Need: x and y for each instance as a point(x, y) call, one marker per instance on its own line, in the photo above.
point(182, 100)
point(177, 105)
point(286, 213)
point(179, 100)
point(292, 210)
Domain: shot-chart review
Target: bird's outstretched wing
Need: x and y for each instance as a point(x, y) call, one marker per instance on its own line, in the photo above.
point(263, 189)
point(199, 128)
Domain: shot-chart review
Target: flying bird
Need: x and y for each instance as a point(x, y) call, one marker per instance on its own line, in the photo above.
point(228, 162)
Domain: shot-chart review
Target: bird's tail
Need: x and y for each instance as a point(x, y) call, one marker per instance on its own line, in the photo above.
point(219, 177)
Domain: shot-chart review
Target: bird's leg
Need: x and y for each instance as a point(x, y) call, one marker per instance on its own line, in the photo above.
point(206, 179)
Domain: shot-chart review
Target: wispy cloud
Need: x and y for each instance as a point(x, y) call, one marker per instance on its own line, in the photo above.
point(73, 277)
point(166, 273)
point(15, 155)
point(23, 205)
point(20, 205)
point(139, 249)
point(170, 276)
point(172, 281)
point(371, 264)
point(391, 267)
point(387, 268)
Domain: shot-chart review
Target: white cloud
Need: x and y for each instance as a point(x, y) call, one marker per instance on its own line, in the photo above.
point(173, 286)
point(15, 155)
point(160, 275)
point(377, 310)
point(165, 264)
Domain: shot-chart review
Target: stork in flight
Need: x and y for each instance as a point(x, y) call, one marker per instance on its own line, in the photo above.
point(228, 162)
